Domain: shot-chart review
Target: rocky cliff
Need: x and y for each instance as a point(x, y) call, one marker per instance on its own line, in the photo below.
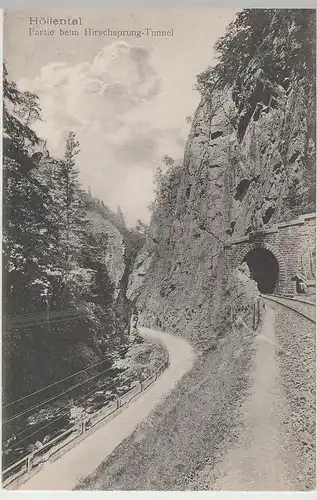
point(248, 163)
point(114, 252)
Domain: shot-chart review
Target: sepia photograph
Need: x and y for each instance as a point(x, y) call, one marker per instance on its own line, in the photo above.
point(159, 250)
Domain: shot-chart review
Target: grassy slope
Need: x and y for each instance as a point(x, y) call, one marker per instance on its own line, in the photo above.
point(186, 431)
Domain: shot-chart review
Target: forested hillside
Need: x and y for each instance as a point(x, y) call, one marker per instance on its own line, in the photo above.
point(66, 259)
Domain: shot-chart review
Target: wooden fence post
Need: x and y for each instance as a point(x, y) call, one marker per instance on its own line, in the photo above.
point(83, 426)
point(29, 463)
point(254, 316)
point(258, 312)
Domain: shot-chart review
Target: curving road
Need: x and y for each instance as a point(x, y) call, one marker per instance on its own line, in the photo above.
point(83, 459)
point(244, 419)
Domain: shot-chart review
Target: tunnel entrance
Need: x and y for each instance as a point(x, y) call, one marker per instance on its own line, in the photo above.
point(264, 269)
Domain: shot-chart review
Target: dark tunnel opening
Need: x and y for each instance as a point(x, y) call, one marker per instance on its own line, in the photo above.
point(264, 269)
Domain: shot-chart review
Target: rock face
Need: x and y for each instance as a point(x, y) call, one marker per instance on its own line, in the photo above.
point(247, 165)
point(114, 251)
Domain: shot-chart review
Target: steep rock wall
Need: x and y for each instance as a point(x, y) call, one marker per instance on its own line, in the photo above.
point(243, 170)
point(114, 252)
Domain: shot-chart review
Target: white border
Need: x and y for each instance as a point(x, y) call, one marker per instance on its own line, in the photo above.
point(146, 495)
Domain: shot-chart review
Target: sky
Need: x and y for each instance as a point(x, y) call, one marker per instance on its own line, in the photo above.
point(126, 97)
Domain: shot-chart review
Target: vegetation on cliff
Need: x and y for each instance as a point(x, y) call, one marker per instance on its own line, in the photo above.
point(166, 182)
point(268, 60)
point(274, 45)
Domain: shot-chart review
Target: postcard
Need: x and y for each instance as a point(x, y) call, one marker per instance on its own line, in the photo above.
point(159, 253)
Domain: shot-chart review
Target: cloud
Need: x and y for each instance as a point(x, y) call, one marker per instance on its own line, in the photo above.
point(118, 108)
point(138, 148)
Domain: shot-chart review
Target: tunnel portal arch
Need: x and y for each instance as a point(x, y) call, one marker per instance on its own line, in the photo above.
point(250, 250)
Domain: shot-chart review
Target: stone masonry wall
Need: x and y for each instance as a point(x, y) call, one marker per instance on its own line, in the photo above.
point(292, 243)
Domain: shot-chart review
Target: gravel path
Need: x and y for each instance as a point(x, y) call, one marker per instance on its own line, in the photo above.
point(260, 460)
point(83, 459)
point(296, 338)
point(188, 432)
point(276, 445)
point(243, 418)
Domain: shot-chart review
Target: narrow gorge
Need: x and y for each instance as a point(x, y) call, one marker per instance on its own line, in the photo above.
point(248, 175)
point(225, 273)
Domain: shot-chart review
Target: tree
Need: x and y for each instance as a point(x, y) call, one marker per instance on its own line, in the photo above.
point(141, 228)
point(72, 207)
point(54, 263)
point(17, 136)
point(280, 42)
point(168, 161)
point(166, 184)
point(265, 53)
point(29, 109)
point(26, 208)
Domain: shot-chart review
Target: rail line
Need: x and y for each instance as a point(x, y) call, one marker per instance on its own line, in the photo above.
point(279, 299)
point(293, 299)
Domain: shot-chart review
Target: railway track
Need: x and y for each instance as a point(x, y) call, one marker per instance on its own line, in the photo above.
point(302, 307)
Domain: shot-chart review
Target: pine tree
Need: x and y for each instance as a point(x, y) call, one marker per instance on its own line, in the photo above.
point(141, 228)
point(26, 208)
point(53, 260)
point(29, 109)
point(72, 205)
